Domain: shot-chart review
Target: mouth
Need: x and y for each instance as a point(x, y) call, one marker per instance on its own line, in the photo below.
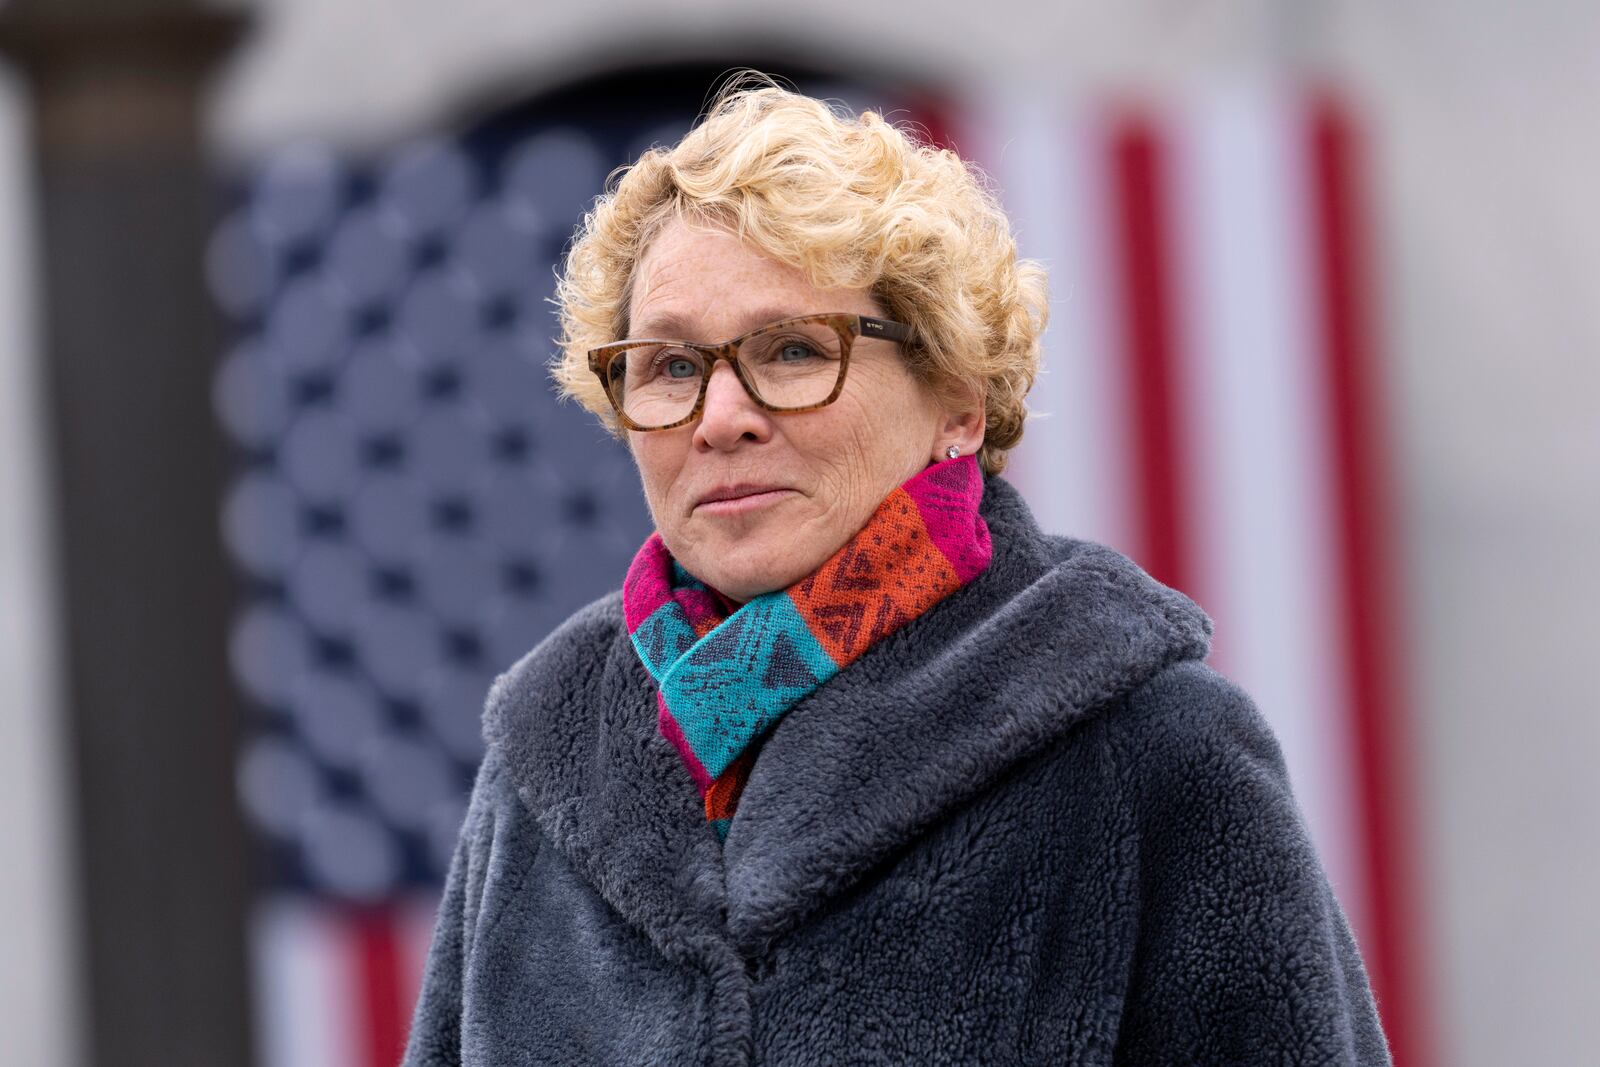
point(741, 497)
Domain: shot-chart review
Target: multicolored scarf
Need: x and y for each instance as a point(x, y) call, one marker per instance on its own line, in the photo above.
point(726, 678)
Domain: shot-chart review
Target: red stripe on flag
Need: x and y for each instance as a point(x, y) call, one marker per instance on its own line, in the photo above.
point(1141, 245)
point(1367, 589)
point(930, 118)
point(378, 992)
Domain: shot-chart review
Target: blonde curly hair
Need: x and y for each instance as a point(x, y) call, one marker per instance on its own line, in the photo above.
point(851, 201)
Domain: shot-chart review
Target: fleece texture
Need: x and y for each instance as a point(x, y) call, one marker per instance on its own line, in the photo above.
point(729, 672)
point(1030, 827)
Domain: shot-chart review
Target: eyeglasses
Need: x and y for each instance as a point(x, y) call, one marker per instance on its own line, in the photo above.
point(794, 364)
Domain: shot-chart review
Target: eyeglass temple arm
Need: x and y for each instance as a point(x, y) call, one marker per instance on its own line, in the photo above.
point(892, 331)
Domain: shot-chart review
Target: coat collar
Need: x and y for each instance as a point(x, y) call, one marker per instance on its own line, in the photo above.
point(926, 720)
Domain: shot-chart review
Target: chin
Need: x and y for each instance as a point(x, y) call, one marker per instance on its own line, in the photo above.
point(744, 577)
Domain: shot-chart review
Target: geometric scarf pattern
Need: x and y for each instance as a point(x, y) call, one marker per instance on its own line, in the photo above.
point(726, 673)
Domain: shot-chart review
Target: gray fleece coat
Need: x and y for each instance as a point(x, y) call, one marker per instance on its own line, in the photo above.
point(1031, 827)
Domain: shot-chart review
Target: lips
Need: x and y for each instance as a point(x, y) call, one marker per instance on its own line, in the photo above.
point(736, 492)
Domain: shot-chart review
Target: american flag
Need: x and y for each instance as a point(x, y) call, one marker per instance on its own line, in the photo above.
point(412, 511)
point(1213, 405)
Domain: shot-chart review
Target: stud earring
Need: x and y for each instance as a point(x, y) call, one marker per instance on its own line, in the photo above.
point(952, 452)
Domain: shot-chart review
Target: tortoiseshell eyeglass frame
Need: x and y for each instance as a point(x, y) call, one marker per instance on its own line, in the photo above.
point(847, 326)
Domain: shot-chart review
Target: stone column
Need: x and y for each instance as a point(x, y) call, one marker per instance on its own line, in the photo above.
point(124, 201)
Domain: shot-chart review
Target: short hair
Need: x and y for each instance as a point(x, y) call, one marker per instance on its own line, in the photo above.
point(851, 201)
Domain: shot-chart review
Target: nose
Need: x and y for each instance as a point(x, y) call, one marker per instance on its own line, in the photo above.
point(729, 415)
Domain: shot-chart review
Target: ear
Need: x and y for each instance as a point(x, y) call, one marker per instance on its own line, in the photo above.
point(963, 422)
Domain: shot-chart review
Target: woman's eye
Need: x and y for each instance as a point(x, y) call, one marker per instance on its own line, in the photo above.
point(795, 351)
point(679, 368)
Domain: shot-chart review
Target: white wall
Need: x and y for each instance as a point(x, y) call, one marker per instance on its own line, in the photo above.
point(363, 70)
point(1489, 162)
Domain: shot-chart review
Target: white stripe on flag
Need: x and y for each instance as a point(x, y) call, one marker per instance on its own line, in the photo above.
point(302, 967)
point(1045, 159)
point(1258, 460)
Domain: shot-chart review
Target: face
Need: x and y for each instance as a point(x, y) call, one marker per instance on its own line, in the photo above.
point(798, 485)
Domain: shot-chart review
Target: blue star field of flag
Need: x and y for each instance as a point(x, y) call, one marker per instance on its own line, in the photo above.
point(411, 509)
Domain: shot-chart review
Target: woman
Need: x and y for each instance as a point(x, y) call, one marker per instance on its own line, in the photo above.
point(860, 766)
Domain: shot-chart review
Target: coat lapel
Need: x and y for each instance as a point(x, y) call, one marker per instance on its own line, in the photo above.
point(576, 722)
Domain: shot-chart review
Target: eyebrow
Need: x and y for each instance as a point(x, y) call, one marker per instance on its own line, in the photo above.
point(672, 326)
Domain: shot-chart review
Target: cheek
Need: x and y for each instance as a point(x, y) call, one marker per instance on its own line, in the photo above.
point(897, 415)
point(657, 462)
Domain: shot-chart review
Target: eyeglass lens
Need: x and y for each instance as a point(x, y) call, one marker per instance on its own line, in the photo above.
point(795, 367)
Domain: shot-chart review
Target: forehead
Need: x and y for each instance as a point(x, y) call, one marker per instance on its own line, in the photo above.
point(699, 282)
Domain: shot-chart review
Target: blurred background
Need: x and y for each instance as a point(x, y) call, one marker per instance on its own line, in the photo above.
point(283, 485)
